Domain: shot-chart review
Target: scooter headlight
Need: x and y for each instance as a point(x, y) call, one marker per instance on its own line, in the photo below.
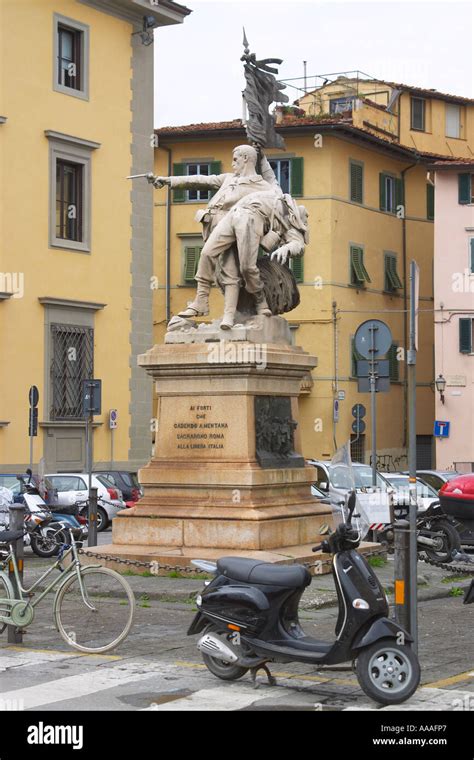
point(198, 600)
point(360, 604)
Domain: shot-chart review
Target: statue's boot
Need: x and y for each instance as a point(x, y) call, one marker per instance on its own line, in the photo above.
point(231, 296)
point(261, 304)
point(200, 306)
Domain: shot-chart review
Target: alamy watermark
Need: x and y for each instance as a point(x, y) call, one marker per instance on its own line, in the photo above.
point(238, 353)
point(12, 282)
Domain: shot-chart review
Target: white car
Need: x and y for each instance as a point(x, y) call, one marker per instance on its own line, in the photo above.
point(426, 495)
point(334, 480)
point(72, 487)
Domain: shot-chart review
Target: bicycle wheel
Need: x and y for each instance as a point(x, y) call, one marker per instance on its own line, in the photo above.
point(106, 622)
point(5, 593)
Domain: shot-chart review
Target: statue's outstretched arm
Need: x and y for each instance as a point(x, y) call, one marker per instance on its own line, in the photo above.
point(191, 182)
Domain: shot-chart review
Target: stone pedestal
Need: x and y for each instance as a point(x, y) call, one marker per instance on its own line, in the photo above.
point(206, 491)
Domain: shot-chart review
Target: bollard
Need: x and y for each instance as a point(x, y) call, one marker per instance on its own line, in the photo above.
point(402, 572)
point(92, 539)
point(17, 513)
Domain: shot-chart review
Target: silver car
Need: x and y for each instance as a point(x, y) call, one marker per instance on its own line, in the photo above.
point(71, 487)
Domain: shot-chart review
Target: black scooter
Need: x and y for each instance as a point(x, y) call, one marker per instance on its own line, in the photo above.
point(249, 617)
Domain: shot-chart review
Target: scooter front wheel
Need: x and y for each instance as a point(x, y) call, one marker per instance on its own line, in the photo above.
point(225, 670)
point(388, 672)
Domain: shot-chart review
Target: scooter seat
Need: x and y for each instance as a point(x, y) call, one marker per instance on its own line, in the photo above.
point(10, 535)
point(264, 573)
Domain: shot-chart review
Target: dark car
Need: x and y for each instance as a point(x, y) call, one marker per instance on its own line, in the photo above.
point(435, 478)
point(127, 482)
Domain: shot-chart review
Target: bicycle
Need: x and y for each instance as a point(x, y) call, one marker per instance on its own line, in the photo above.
point(93, 606)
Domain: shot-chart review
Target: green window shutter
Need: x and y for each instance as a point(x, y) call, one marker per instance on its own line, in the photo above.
point(429, 201)
point(215, 167)
point(179, 194)
point(191, 260)
point(465, 335)
point(359, 273)
point(296, 188)
point(393, 367)
point(296, 266)
point(464, 188)
point(392, 280)
point(356, 181)
point(399, 194)
point(383, 201)
point(471, 244)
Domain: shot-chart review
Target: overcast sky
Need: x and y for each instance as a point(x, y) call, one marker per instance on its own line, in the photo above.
point(199, 75)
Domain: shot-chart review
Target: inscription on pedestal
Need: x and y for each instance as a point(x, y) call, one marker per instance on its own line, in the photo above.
point(201, 431)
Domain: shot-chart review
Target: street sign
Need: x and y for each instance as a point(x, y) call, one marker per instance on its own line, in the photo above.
point(33, 396)
point(381, 368)
point(336, 411)
point(382, 384)
point(92, 397)
point(373, 338)
point(33, 422)
point(358, 410)
point(441, 429)
point(358, 426)
point(113, 419)
point(341, 395)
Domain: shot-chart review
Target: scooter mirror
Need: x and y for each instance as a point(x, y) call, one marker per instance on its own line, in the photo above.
point(351, 502)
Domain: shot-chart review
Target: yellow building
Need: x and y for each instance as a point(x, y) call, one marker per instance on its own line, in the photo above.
point(370, 203)
point(75, 236)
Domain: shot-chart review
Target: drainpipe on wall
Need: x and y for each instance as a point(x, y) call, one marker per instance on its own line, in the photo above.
point(405, 307)
point(167, 238)
point(336, 370)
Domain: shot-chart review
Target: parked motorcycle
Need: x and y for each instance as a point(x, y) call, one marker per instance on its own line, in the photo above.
point(436, 536)
point(45, 528)
point(248, 615)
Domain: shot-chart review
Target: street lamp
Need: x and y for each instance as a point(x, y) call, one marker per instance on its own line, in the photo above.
point(440, 383)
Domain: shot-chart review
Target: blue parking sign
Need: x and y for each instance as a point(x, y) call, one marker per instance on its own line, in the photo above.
point(441, 429)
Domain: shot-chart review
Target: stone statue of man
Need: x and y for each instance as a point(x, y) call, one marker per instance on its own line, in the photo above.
point(235, 223)
point(231, 188)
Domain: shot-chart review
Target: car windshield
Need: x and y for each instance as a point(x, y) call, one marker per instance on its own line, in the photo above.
point(340, 478)
point(10, 481)
point(423, 490)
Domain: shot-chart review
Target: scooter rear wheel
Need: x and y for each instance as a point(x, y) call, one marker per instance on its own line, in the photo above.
point(224, 670)
point(449, 541)
point(388, 673)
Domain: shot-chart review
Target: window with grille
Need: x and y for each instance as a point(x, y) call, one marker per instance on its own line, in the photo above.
point(69, 200)
point(72, 362)
point(358, 448)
